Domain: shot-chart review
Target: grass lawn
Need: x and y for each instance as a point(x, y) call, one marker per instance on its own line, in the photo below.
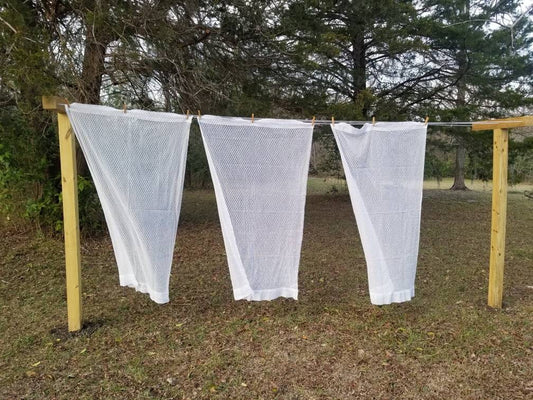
point(331, 344)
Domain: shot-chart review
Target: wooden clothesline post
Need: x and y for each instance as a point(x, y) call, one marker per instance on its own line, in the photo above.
point(71, 228)
point(499, 200)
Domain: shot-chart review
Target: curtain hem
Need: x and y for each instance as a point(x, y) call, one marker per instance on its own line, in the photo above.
point(267, 294)
point(130, 281)
point(393, 297)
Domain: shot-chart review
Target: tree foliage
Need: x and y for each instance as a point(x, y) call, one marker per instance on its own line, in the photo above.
point(396, 59)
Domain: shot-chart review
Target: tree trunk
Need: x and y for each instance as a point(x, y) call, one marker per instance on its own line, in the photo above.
point(460, 152)
point(93, 70)
point(90, 84)
point(359, 69)
point(459, 178)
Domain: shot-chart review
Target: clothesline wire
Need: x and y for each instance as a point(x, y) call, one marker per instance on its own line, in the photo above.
point(328, 121)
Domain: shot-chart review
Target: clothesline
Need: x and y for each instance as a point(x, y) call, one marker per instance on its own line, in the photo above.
point(349, 122)
point(329, 121)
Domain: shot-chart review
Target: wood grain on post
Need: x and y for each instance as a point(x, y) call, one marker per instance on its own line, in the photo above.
point(499, 217)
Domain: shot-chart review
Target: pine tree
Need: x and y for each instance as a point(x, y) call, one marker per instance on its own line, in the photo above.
point(485, 67)
point(357, 52)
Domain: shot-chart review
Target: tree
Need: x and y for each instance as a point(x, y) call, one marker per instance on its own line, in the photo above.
point(154, 55)
point(359, 53)
point(485, 66)
point(28, 145)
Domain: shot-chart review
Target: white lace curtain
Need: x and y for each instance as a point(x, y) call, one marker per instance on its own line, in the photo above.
point(137, 161)
point(259, 171)
point(384, 168)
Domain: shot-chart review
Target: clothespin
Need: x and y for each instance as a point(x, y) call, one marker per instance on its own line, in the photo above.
point(333, 121)
point(124, 107)
point(252, 118)
point(199, 114)
point(187, 114)
point(67, 102)
point(427, 119)
point(373, 120)
point(313, 121)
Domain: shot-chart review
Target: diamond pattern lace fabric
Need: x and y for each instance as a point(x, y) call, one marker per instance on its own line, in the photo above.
point(384, 167)
point(137, 161)
point(259, 172)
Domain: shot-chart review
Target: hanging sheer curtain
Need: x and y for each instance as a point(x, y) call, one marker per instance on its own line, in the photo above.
point(137, 161)
point(259, 171)
point(384, 167)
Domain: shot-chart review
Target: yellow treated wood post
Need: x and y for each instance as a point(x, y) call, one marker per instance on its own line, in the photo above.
point(69, 183)
point(499, 199)
point(499, 217)
point(71, 228)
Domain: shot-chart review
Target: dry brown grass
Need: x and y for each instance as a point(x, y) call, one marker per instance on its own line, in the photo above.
point(331, 344)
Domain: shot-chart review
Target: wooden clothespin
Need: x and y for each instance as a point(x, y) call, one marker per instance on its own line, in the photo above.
point(252, 118)
point(373, 120)
point(187, 114)
point(67, 102)
point(124, 108)
point(333, 121)
point(313, 121)
point(199, 115)
point(427, 120)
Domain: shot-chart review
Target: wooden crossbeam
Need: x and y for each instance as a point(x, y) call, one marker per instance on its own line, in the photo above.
point(54, 103)
point(505, 123)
